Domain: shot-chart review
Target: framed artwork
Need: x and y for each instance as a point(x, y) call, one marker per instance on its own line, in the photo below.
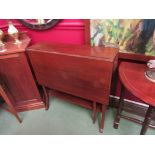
point(135, 38)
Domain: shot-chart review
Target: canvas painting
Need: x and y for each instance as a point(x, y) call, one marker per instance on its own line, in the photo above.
point(129, 35)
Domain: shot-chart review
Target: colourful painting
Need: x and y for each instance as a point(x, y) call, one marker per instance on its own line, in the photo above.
point(129, 35)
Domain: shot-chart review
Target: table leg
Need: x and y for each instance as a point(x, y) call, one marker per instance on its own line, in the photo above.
point(104, 107)
point(147, 120)
point(120, 107)
point(94, 112)
point(8, 99)
point(16, 115)
point(46, 98)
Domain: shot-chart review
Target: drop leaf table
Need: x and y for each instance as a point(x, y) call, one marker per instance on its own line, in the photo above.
point(80, 73)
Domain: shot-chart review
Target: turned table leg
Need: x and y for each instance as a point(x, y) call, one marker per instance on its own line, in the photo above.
point(120, 107)
point(104, 107)
point(94, 112)
point(46, 98)
point(147, 120)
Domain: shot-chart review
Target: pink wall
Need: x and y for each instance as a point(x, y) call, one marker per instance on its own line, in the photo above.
point(66, 31)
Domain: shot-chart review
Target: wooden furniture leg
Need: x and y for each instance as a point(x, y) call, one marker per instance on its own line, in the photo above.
point(147, 120)
point(94, 112)
point(104, 107)
point(8, 99)
point(46, 98)
point(119, 108)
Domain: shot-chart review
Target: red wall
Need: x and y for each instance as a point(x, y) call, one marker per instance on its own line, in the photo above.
point(66, 31)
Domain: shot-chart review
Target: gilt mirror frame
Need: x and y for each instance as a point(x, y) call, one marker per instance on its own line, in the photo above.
point(122, 55)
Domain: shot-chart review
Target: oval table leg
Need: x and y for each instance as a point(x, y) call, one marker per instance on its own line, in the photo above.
point(147, 120)
point(120, 108)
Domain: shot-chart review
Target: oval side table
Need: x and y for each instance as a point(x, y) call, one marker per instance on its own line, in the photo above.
point(132, 76)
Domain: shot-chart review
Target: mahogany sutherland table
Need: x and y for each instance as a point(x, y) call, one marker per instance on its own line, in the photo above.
point(82, 73)
point(132, 76)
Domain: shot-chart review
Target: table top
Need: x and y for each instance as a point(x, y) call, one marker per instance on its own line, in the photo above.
point(132, 75)
point(107, 53)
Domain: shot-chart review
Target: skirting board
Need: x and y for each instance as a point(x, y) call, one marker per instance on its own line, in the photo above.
point(130, 106)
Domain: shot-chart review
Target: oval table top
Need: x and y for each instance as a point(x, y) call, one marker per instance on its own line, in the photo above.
point(132, 75)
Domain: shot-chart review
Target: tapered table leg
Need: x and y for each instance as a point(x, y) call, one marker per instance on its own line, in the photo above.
point(120, 108)
point(147, 120)
point(94, 112)
point(104, 107)
point(46, 98)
